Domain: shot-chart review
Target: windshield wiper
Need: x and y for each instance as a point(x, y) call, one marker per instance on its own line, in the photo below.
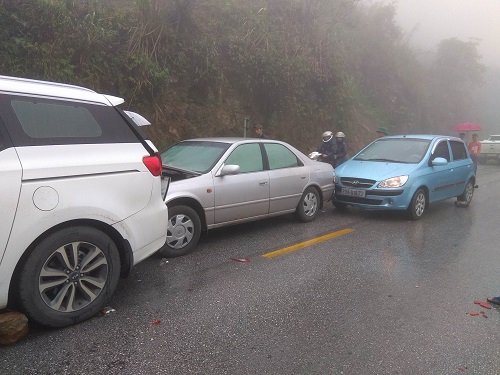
point(187, 171)
point(386, 160)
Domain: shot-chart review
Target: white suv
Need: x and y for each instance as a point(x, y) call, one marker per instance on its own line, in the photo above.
point(80, 197)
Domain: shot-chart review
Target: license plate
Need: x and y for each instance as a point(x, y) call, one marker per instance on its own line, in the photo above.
point(353, 192)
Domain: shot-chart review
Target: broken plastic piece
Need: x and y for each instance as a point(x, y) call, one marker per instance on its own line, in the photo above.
point(155, 323)
point(107, 310)
point(473, 313)
point(483, 304)
point(245, 260)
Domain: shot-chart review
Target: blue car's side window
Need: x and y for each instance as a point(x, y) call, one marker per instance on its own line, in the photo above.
point(458, 150)
point(442, 151)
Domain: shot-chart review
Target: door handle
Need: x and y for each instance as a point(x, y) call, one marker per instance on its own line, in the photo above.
point(263, 183)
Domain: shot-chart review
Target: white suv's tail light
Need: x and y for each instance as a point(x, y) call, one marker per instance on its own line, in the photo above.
point(153, 163)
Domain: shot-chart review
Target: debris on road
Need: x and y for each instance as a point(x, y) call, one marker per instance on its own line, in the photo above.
point(483, 304)
point(107, 310)
point(155, 323)
point(473, 313)
point(13, 327)
point(245, 260)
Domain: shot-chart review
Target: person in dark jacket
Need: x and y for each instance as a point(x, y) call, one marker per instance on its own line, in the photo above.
point(326, 149)
point(259, 131)
point(339, 149)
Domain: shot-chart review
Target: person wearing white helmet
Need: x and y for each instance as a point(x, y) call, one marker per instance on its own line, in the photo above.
point(326, 148)
point(339, 149)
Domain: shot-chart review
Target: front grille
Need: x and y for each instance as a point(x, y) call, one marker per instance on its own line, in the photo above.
point(357, 182)
point(374, 202)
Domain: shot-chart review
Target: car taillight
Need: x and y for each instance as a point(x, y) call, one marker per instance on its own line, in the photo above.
point(153, 163)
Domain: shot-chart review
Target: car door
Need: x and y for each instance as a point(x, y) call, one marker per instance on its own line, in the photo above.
point(288, 177)
point(246, 194)
point(441, 180)
point(462, 166)
point(10, 175)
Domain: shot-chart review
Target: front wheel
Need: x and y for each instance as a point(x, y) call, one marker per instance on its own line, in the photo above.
point(184, 229)
point(69, 276)
point(465, 198)
point(307, 209)
point(418, 205)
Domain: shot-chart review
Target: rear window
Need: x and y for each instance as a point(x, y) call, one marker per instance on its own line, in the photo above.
point(47, 120)
point(40, 121)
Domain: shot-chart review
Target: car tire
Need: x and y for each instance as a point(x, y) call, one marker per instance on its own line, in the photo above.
point(68, 277)
point(418, 205)
point(466, 197)
point(308, 206)
point(184, 230)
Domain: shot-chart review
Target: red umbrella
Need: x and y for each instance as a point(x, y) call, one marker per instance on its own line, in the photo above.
point(467, 127)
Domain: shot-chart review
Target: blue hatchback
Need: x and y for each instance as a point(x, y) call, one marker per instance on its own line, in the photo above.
point(406, 172)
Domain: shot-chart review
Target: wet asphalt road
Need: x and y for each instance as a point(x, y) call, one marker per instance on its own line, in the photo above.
point(391, 297)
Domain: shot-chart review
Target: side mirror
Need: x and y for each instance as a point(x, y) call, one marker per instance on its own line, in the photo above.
point(439, 161)
point(229, 170)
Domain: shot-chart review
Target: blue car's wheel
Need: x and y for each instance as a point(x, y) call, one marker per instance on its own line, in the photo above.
point(417, 205)
point(466, 197)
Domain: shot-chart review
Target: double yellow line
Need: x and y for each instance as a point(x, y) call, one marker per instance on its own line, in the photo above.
point(289, 249)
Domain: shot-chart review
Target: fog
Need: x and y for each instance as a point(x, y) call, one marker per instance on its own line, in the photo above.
point(430, 21)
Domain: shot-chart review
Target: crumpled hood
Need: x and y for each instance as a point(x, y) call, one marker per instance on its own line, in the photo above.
point(373, 170)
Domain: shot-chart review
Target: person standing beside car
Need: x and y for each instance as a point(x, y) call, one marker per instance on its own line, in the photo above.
point(474, 150)
point(259, 131)
point(339, 150)
point(326, 149)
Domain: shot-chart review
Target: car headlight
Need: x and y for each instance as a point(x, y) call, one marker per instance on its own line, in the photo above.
point(335, 179)
point(393, 182)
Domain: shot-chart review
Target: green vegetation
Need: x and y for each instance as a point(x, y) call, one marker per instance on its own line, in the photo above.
point(197, 68)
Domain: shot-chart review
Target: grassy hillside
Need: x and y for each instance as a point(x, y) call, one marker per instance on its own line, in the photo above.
point(198, 68)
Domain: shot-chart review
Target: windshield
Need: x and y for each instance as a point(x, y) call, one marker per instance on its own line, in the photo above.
point(194, 156)
point(395, 150)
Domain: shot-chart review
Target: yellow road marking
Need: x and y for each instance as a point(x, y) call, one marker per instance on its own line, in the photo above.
point(289, 249)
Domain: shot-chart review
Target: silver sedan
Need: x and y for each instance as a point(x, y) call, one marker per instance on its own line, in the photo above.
point(217, 182)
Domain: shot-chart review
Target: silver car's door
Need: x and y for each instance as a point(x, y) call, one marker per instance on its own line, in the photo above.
point(10, 175)
point(287, 175)
point(246, 194)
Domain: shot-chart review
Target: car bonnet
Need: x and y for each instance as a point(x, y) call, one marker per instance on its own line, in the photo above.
point(373, 170)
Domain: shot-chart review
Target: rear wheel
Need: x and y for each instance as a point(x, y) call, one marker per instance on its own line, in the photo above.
point(307, 209)
point(69, 276)
point(184, 229)
point(465, 198)
point(418, 205)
